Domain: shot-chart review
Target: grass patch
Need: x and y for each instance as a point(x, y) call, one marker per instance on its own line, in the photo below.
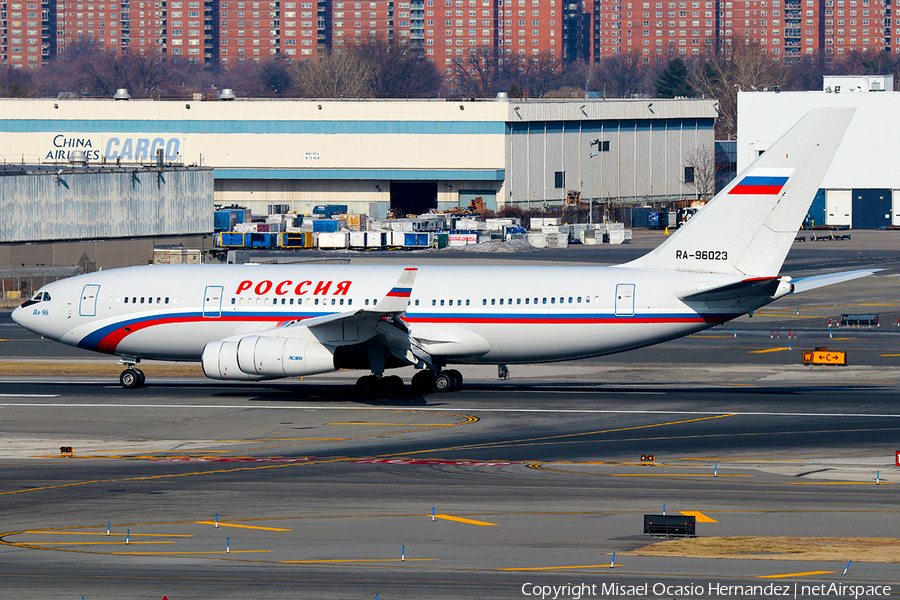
point(93, 369)
point(881, 550)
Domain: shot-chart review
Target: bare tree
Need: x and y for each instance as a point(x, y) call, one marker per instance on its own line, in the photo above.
point(738, 64)
point(334, 75)
point(701, 172)
point(399, 71)
point(619, 76)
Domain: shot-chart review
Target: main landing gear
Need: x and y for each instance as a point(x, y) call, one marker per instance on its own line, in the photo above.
point(423, 382)
point(132, 377)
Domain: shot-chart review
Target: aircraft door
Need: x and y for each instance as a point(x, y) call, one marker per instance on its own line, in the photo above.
point(625, 299)
point(88, 305)
point(212, 301)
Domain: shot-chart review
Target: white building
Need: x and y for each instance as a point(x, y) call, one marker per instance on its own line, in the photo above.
point(862, 187)
point(376, 155)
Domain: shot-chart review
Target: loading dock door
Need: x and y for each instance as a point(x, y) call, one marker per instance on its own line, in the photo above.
point(88, 305)
point(871, 208)
point(838, 207)
point(625, 299)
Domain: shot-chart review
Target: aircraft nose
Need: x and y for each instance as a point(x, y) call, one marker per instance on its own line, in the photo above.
point(17, 315)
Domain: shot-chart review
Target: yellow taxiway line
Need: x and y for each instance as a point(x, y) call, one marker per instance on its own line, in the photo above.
point(461, 520)
point(606, 566)
point(699, 516)
point(241, 526)
point(795, 574)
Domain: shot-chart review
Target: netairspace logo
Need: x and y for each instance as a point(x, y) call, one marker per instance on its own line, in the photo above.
point(576, 591)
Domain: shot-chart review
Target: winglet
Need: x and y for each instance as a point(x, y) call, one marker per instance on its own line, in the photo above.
point(397, 299)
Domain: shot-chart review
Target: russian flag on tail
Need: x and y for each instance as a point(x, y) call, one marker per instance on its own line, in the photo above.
point(763, 181)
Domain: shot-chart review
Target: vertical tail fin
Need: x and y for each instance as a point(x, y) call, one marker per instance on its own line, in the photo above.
point(748, 228)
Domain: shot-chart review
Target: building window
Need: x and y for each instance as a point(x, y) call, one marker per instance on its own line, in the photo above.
point(560, 179)
point(689, 174)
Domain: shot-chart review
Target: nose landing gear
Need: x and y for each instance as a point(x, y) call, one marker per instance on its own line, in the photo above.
point(132, 377)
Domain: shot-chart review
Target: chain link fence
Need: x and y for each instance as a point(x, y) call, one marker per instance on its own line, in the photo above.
point(20, 283)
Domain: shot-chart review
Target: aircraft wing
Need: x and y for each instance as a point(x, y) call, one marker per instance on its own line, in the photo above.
point(816, 281)
point(392, 305)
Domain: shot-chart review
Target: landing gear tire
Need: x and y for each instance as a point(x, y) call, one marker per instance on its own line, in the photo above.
point(131, 379)
point(366, 385)
point(390, 386)
point(457, 379)
point(444, 382)
point(142, 377)
point(423, 382)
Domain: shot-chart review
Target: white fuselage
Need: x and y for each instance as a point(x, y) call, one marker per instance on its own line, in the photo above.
point(525, 313)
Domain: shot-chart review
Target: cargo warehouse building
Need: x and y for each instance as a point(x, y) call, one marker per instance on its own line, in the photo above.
point(862, 187)
point(376, 155)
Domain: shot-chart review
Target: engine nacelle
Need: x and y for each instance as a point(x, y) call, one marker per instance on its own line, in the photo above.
point(269, 356)
point(219, 361)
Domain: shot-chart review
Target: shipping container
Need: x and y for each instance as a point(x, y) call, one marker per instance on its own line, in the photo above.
point(357, 239)
point(177, 256)
point(328, 225)
point(224, 220)
point(330, 209)
point(412, 239)
point(378, 239)
point(333, 240)
point(233, 239)
point(296, 240)
point(538, 240)
point(263, 240)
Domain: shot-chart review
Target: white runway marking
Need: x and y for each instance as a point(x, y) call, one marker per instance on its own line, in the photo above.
point(461, 409)
point(29, 395)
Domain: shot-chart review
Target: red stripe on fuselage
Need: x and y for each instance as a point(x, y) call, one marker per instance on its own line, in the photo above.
point(763, 190)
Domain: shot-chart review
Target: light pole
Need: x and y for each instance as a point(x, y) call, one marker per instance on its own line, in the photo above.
point(593, 143)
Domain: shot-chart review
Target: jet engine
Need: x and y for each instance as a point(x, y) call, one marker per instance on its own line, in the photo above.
point(257, 357)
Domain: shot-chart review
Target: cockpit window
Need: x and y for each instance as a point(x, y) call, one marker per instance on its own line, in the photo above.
point(46, 297)
point(37, 297)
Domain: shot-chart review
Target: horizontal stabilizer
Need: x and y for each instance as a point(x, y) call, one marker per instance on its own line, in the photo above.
point(816, 281)
point(763, 287)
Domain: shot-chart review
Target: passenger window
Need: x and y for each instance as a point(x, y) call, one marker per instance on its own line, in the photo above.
point(118, 300)
point(367, 301)
point(417, 301)
point(142, 299)
point(570, 299)
point(493, 301)
point(317, 301)
point(291, 302)
point(332, 302)
point(234, 300)
point(535, 301)
point(545, 301)
point(501, 301)
point(342, 301)
point(349, 301)
point(518, 301)
point(434, 302)
point(167, 300)
point(467, 301)
point(587, 299)
point(510, 301)
point(484, 301)
point(126, 300)
point(158, 300)
point(579, 299)
point(526, 300)
point(442, 302)
point(552, 300)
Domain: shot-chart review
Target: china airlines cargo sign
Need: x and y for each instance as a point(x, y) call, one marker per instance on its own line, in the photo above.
point(122, 147)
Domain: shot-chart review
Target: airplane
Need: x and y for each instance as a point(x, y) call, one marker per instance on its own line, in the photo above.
point(259, 322)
